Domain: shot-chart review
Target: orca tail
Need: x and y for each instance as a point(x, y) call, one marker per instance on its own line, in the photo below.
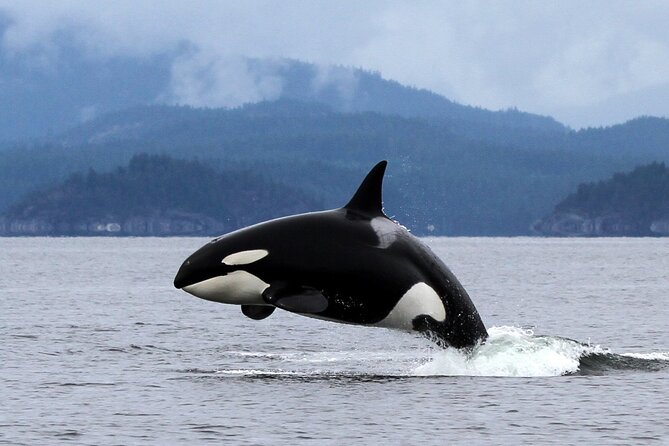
point(368, 199)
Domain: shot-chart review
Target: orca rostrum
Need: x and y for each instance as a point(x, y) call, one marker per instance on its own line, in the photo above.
point(351, 265)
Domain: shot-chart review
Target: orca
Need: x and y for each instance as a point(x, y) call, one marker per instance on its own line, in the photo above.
point(350, 265)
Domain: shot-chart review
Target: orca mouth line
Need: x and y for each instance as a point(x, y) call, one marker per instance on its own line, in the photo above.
point(183, 280)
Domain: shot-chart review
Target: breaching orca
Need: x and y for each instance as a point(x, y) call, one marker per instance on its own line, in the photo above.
point(351, 265)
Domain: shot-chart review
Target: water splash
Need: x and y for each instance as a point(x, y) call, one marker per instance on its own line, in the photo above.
point(512, 351)
point(508, 352)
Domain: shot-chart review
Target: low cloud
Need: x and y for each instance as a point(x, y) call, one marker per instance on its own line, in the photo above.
point(209, 80)
point(343, 80)
point(544, 57)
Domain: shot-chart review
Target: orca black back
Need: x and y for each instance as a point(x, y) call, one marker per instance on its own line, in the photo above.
point(352, 265)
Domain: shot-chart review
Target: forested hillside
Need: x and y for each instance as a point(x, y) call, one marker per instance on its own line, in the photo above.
point(454, 169)
point(154, 195)
point(633, 204)
point(437, 178)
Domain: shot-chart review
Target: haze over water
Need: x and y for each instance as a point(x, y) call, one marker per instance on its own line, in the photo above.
point(99, 348)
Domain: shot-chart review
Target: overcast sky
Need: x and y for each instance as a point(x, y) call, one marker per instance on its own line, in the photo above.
point(585, 63)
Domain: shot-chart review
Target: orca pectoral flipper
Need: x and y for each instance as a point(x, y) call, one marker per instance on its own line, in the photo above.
point(257, 312)
point(296, 298)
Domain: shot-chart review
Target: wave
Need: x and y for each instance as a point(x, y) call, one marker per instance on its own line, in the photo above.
point(513, 351)
point(508, 352)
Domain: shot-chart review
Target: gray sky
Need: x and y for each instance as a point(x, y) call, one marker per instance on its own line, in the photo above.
point(585, 63)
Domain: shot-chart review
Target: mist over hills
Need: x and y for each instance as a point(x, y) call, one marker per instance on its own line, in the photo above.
point(454, 169)
point(42, 98)
point(72, 88)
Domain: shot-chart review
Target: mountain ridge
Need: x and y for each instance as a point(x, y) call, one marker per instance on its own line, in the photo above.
point(644, 134)
point(461, 170)
point(447, 182)
point(78, 88)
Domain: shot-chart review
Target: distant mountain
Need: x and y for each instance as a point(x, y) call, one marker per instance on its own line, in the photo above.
point(640, 138)
point(628, 204)
point(651, 100)
point(41, 97)
point(454, 169)
point(355, 90)
point(71, 87)
point(643, 135)
point(154, 195)
point(438, 178)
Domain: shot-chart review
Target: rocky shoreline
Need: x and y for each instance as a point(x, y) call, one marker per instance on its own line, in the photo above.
point(167, 224)
point(570, 224)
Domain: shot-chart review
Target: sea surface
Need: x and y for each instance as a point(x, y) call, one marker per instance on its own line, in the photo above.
point(97, 347)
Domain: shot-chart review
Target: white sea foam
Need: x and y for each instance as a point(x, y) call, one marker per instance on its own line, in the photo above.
point(654, 356)
point(510, 351)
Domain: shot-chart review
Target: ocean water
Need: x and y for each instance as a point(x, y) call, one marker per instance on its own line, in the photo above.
point(98, 348)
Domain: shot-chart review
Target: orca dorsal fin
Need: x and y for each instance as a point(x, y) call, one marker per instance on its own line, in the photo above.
point(368, 199)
